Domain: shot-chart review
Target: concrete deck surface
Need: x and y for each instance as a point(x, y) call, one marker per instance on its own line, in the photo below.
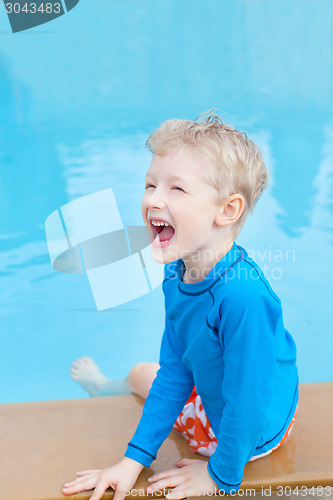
point(43, 444)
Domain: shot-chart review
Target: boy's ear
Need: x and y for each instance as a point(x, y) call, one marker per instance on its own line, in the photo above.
point(231, 210)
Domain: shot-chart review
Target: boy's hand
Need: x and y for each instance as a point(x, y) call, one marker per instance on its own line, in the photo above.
point(121, 477)
point(191, 479)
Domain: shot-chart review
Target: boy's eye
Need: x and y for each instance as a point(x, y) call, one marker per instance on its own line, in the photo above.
point(178, 188)
point(149, 186)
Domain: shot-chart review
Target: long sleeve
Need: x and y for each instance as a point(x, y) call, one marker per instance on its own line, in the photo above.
point(247, 335)
point(170, 391)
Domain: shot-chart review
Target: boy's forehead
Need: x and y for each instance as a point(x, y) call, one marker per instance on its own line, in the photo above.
point(177, 165)
point(172, 177)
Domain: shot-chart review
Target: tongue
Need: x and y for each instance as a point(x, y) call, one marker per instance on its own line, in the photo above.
point(166, 233)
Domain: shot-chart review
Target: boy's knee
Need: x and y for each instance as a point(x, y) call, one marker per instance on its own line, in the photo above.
point(136, 371)
point(142, 370)
point(141, 376)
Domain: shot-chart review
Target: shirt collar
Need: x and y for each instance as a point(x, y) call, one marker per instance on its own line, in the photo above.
point(234, 255)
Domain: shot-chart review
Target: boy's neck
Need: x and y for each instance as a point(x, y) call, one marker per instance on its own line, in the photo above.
point(197, 268)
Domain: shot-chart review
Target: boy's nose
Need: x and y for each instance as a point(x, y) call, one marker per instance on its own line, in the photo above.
point(156, 199)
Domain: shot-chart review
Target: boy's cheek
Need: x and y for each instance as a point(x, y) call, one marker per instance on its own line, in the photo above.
point(144, 209)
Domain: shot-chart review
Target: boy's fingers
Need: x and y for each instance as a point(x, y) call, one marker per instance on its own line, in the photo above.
point(183, 462)
point(78, 480)
point(80, 484)
point(89, 471)
point(161, 475)
point(119, 494)
point(179, 493)
point(99, 491)
point(164, 483)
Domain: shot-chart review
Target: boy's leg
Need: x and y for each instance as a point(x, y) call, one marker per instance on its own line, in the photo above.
point(141, 377)
point(87, 373)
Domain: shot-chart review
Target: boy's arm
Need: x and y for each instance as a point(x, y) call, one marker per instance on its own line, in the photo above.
point(169, 392)
point(247, 334)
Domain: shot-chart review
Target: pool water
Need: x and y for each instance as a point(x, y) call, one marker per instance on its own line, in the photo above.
point(78, 98)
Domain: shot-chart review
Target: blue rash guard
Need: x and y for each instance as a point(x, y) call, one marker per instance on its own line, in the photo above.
point(225, 335)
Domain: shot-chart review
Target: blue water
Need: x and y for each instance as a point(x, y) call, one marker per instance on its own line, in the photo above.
point(78, 98)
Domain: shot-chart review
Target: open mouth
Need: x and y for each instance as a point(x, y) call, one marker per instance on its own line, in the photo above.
point(162, 232)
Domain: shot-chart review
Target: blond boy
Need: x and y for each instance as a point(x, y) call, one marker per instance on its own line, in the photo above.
point(227, 377)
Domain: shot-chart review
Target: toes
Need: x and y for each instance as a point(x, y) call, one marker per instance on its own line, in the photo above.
point(81, 361)
point(76, 364)
point(86, 359)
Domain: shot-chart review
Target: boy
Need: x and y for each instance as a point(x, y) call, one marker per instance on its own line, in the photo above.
point(225, 353)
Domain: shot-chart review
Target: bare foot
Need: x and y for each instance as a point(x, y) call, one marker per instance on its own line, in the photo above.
point(87, 373)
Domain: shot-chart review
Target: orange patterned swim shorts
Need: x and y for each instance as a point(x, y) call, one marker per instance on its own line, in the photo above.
point(194, 425)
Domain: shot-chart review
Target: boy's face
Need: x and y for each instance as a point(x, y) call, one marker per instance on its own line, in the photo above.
point(178, 194)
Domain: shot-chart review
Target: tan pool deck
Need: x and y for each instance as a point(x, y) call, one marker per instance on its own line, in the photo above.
point(43, 444)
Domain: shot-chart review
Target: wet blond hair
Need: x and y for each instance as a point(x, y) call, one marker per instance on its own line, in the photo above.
point(234, 164)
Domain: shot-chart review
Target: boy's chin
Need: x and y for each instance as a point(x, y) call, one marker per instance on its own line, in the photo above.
point(162, 256)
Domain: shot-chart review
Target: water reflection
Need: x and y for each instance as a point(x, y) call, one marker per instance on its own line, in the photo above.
point(322, 199)
point(30, 172)
point(296, 160)
point(298, 266)
point(76, 106)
